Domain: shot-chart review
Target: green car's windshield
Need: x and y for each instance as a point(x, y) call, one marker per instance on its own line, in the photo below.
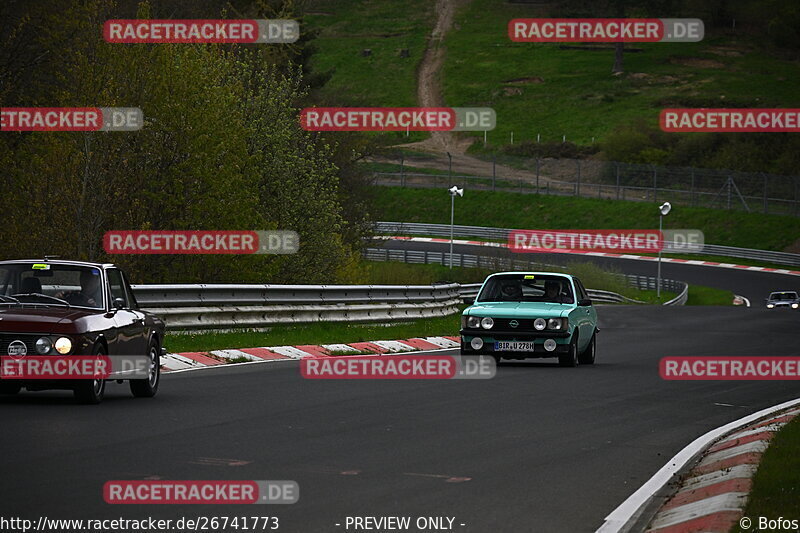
point(51, 284)
point(527, 288)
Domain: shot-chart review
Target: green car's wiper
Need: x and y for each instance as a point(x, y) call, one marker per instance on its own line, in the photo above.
point(40, 295)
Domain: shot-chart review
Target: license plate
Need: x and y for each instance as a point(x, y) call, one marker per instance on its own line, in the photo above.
point(513, 346)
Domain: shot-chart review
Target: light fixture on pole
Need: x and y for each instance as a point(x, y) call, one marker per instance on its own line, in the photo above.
point(453, 192)
point(663, 211)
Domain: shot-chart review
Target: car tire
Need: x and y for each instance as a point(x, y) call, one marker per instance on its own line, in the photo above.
point(10, 389)
point(147, 388)
point(571, 357)
point(91, 391)
point(588, 355)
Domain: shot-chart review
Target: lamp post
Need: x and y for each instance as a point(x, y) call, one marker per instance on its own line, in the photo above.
point(453, 192)
point(663, 211)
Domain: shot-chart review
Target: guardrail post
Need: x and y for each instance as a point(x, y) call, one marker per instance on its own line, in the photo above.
point(692, 198)
point(578, 183)
point(402, 171)
point(766, 209)
point(537, 175)
point(617, 165)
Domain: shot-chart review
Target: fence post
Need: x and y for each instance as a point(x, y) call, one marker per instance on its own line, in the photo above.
point(729, 182)
point(537, 174)
point(617, 165)
point(494, 170)
point(691, 192)
point(402, 171)
point(578, 183)
point(655, 184)
point(766, 209)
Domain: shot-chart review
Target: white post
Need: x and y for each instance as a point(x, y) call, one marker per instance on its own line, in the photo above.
point(484, 138)
point(512, 137)
point(661, 245)
point(452, 213)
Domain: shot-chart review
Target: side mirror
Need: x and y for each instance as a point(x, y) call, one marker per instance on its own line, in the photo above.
point(119, 303)
point(468, 300)
point(584, 302)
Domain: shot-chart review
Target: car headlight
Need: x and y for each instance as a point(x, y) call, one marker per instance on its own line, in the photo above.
point(770, 306)
point(795, 306)
point(43, 345)
point(473, 322)
point(539, 324)
point(554, 323)
point(487, 322)
point(63, 345)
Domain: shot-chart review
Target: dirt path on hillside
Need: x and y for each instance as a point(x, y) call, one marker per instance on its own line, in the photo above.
point(429, 94)
point(429, 90)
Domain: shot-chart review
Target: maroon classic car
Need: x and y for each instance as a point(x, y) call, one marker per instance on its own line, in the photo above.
point(55, 309)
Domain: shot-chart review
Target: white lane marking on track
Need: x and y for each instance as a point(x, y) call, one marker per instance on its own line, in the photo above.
point(729, 501)
point(718, 476)
point(395, 346)
point(757, 446)
point(234, 354)
point(441, 341)
point(290, 351)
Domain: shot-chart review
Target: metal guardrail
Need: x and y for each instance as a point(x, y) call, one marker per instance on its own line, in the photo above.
point(501, 234)
point(231, 306)
point(508, 263)
point(258, 306)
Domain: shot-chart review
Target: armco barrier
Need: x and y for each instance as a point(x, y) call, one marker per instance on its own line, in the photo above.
point(501, 234)
point(255, 306)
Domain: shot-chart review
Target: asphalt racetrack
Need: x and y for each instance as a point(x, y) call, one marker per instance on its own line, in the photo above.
point(537, 448)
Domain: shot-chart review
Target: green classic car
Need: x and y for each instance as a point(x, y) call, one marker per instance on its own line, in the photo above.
point(519, 315)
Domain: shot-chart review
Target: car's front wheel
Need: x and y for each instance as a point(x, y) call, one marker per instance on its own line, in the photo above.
point(147, 388)
point(587, 357)
point(91, 391)
point(571, 357)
